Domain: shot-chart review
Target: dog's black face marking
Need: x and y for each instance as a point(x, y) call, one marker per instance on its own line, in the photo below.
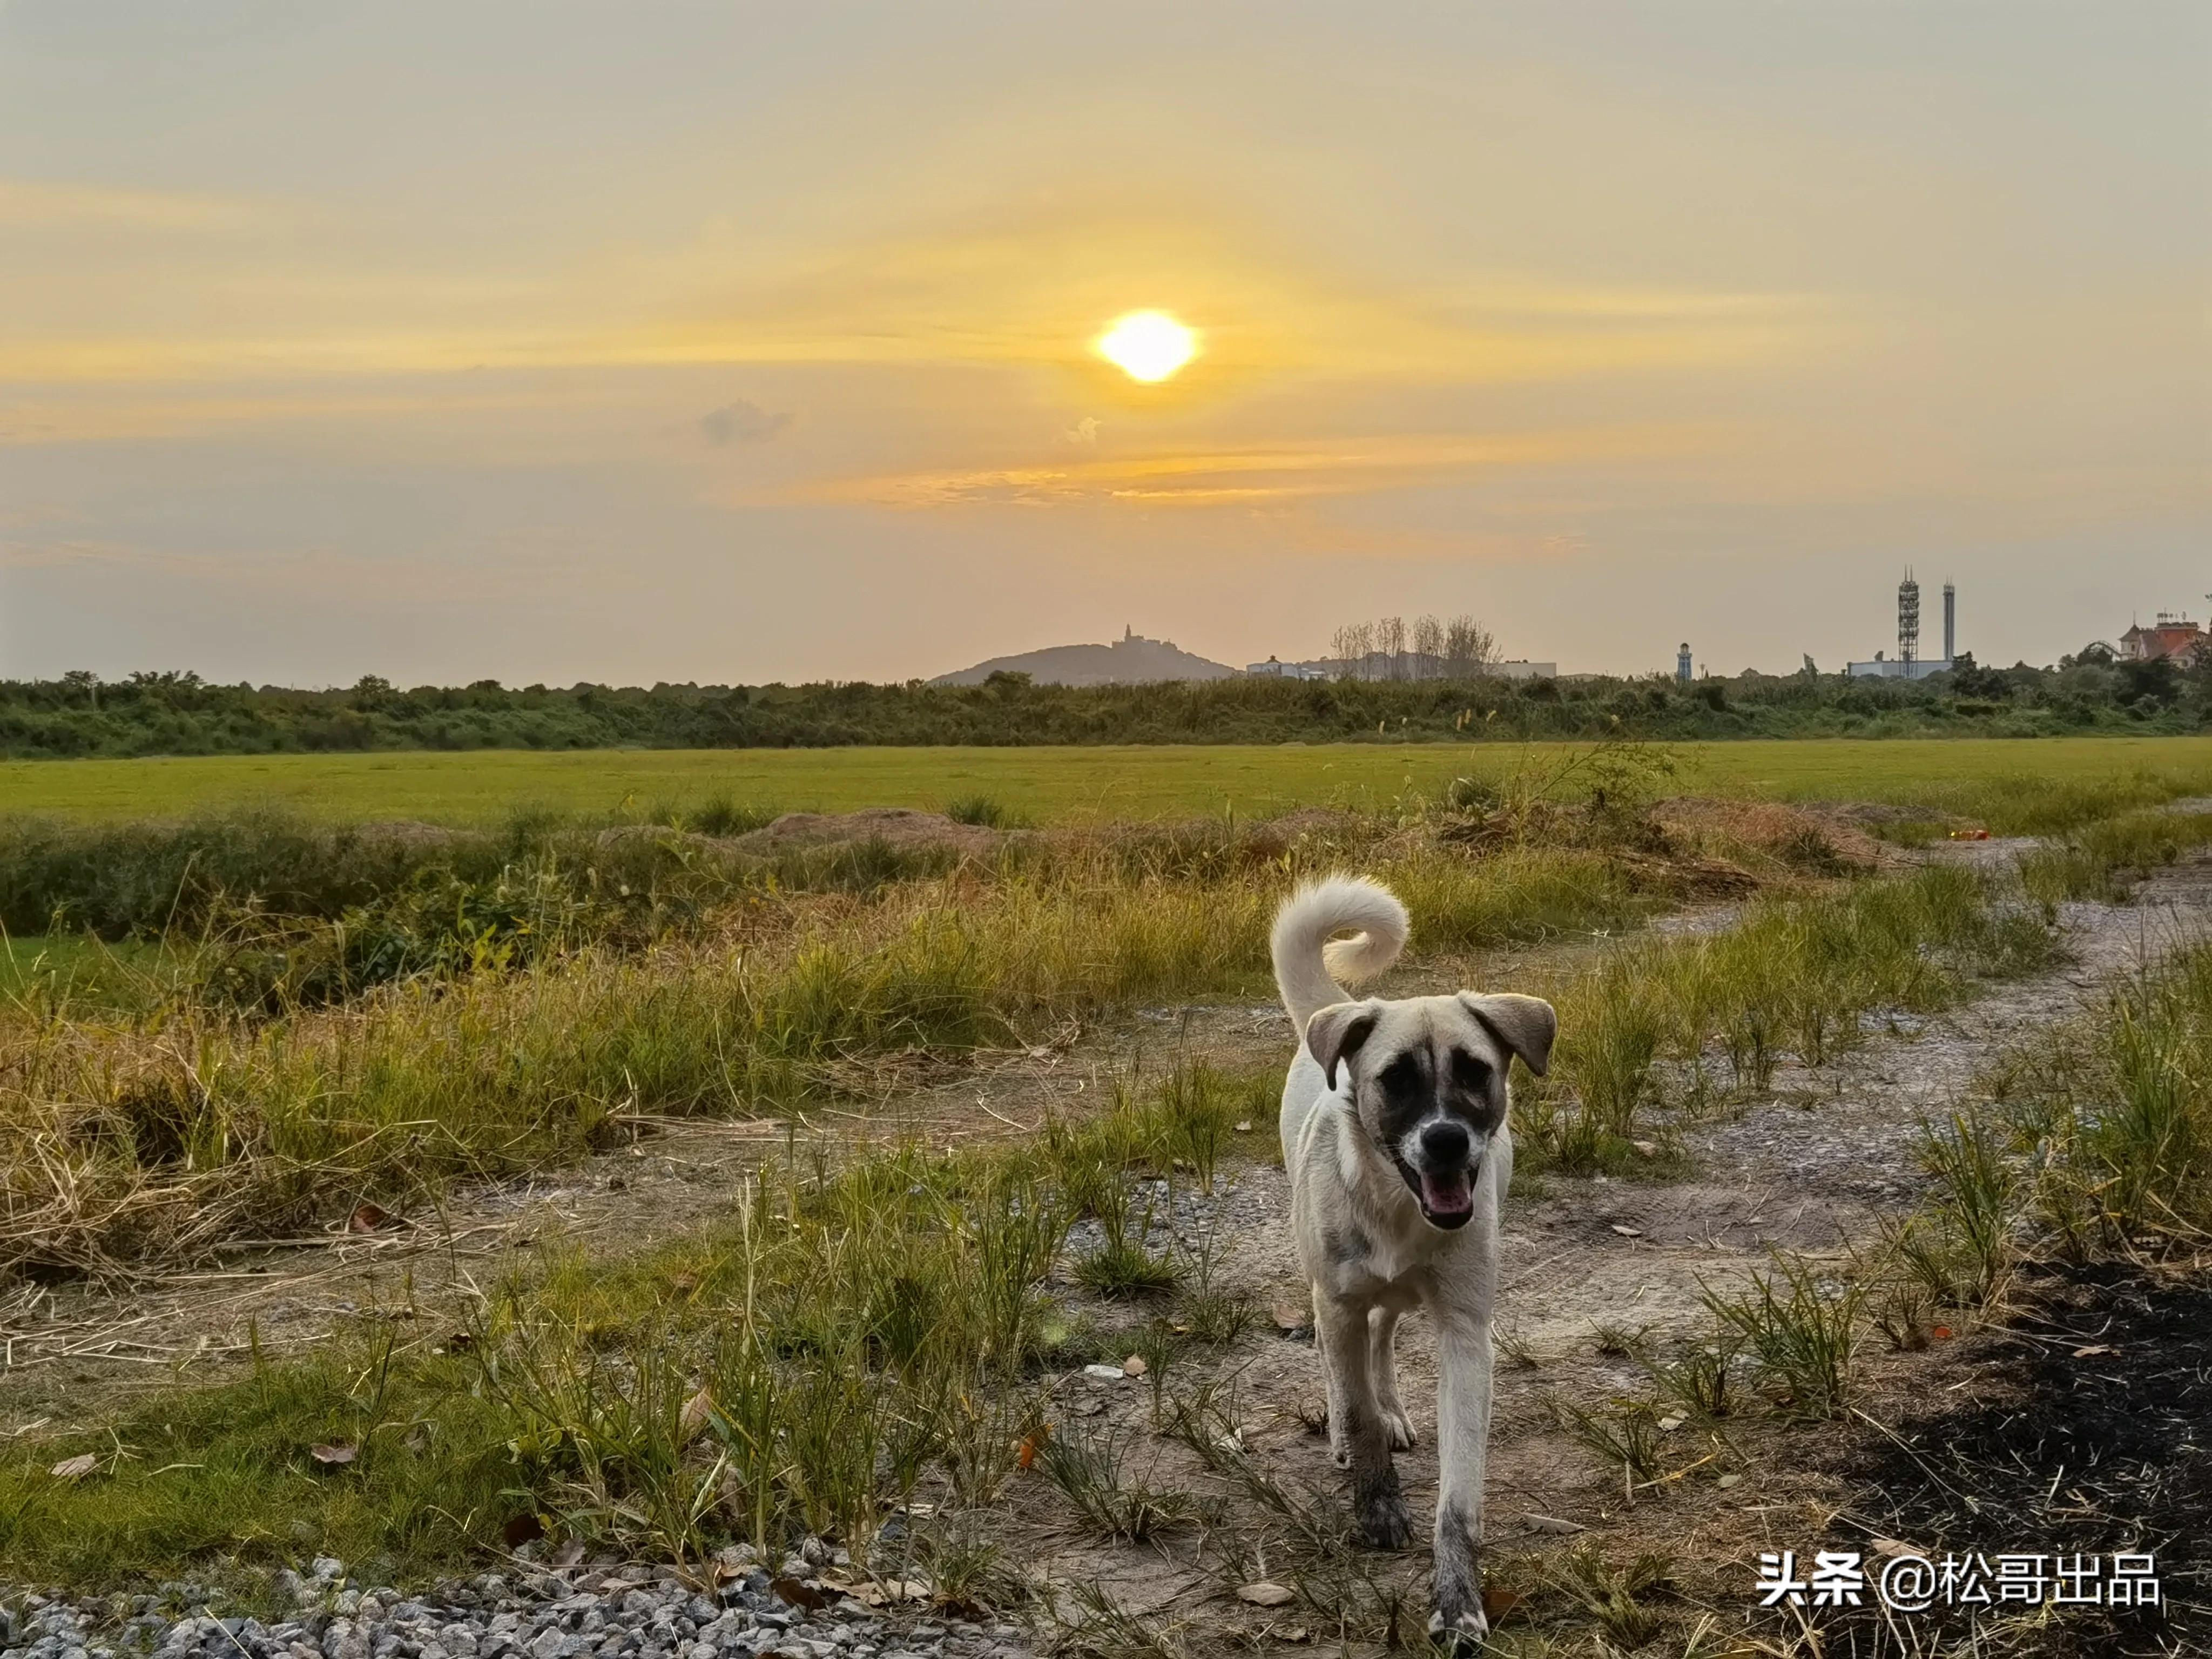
point(1434, 1106)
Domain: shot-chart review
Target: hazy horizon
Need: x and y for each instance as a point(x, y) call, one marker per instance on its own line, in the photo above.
point(733, 344)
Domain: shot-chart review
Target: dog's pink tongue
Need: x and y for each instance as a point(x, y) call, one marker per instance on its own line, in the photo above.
point(1446, 1194)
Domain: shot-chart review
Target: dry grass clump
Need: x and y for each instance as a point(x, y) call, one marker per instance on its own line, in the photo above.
point(193, 1114)
point(1793, 836)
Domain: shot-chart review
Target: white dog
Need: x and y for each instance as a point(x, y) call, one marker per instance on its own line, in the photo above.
point(1396, 1140)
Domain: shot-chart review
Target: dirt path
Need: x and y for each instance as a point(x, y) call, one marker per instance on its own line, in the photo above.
point(1811, 1169)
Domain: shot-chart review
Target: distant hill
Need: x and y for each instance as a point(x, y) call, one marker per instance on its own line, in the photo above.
point(1132, 659)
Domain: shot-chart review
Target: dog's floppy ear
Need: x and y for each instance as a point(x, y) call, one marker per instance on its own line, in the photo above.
point(1524, 1024)
point(1334, 1033)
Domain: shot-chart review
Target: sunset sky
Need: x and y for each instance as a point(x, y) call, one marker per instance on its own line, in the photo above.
point(739, 343)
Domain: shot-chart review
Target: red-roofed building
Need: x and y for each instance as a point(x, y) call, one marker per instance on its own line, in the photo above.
point(2170, 637)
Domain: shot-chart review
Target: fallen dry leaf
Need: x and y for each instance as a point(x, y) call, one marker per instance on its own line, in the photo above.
point(1243, 1125)
point(693, 1422)
point(1289, 1317)
point(1031, 1444)
point(1552, 1523)
point(1942, 1332)
point(1671, 1422)
point(1497, 1603)
point(1297, 1633)
point(1264, 1593)
point(1627, 1232)
point(74, 1469)
point(1645, 1148)
point(1134, 1365)
point(1887, 1546)
point(336, 1454)
point(1727, 1480)
point(2093, 1351)
point(367, 1218)
point(796, 1593)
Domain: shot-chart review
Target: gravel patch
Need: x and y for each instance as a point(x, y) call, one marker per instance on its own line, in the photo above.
point(803, 1612)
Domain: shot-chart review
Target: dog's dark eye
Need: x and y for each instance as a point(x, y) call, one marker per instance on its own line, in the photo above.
point(1401, 1076)
point(1470, 1073)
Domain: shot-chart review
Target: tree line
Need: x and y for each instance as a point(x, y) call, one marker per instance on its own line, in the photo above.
point(180, 714)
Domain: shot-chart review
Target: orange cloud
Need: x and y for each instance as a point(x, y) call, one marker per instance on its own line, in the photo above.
point(1238, 477)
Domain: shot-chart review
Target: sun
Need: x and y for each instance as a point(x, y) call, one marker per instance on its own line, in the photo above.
point(1148, 345)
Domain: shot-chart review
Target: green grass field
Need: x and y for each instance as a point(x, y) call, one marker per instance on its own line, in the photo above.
point(1051, 784)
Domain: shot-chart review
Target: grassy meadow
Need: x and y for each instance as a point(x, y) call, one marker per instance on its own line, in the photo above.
point(234, 1006)
point(1077, 785)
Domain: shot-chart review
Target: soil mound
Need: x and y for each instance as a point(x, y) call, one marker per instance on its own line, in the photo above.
point(893, 826)
point(1816, 842)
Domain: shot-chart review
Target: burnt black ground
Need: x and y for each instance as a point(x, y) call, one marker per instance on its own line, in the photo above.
point(2053, 1454)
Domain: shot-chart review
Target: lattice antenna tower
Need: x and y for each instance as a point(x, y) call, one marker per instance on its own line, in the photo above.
point(1908, 621)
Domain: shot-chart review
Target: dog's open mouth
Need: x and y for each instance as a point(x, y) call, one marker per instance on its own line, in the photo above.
point(1447, 1196)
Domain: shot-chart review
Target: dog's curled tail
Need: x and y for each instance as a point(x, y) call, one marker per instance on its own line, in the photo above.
point(1310, 963)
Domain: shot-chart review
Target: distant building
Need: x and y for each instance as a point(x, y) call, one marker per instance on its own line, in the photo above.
point(1275, 669)
point(1896, 668)
point(2169, 637)
point(1908, 664)
point(1682, 663)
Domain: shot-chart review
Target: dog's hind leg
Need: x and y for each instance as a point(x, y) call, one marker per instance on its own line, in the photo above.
point(1463, 1459)
point(1356, 1423)
point(1382, 1365)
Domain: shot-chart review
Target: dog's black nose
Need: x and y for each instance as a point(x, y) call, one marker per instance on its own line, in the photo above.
point(1445, 1144)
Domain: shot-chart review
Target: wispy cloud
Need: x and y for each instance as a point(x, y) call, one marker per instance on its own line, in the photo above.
point(739, 422)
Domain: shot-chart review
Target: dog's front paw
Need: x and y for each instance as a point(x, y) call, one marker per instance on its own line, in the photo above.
point(1461, 1632)
point(1381, 1509)
point(1398, 1429)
